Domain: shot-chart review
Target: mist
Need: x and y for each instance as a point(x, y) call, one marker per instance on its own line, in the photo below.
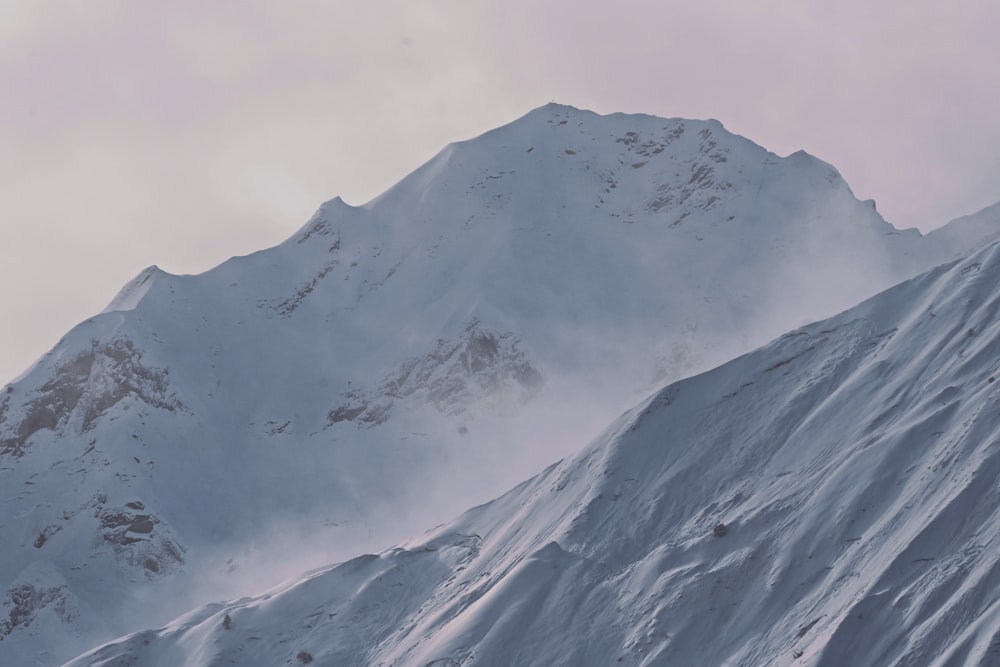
point(390, 366)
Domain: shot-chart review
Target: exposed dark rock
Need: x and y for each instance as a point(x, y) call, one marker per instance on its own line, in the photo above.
point(140, 541)
point(375, 414)
point(478, 365)
point(321, 228)
point(26, 600)
point(85, 387)
point(288, 305)
point(123, 374)
point(141, 524)
point(346, 413)
point(56, 399)
point(114, 519)
point(703, 186)
point(44, 536)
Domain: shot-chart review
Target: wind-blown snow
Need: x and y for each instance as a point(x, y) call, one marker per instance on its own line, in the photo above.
point(830, 499)
point(130, 295)
point(392, 363)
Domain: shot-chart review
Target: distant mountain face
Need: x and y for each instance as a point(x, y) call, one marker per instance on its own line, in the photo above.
point(829, 499)
point(398, 361)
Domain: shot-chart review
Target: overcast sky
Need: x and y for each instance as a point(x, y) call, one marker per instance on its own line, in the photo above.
point(181, 133)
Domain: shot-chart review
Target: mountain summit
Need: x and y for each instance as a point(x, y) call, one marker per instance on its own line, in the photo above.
point(392, 363)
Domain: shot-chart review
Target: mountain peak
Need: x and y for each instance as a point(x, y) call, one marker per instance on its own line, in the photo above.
point(133, 291)
point(558, 107)
point(493, 309)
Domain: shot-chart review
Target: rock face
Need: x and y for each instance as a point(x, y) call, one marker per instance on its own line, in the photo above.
point(25, 601)
point(478, 367)
point(141, 541)
point(82, 389)
point(37, 602)
point(333, 393)
point(829, 499)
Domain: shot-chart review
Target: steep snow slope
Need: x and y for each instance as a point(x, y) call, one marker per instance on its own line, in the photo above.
point(978, 228)
point(830, 499)
point(207, 434)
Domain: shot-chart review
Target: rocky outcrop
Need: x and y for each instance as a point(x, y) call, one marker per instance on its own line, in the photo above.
point(81, 390)
point(478, 366)
point(39, 589)
point(141, 541)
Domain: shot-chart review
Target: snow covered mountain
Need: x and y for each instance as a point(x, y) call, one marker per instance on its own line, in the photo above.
point(392, 363)
point(829, 499)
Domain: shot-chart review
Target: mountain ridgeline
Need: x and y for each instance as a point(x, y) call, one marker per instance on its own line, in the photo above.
point(393, 363)
point(829, 499)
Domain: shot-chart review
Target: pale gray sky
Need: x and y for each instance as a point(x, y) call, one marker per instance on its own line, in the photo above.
point(181, 133)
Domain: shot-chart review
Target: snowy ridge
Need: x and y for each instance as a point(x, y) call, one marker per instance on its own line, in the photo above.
point(206, 436)
point(130, 295)
point(829, 499)
point(983, 225)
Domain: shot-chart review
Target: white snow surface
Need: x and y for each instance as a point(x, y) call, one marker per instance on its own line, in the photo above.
point(853, 462)
point(389, 364)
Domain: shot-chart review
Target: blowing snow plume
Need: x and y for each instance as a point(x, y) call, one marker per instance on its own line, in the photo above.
point(830, 499)
point(393, 363)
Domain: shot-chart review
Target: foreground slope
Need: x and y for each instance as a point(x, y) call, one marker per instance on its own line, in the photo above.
point(206, 434)
point(853, 464)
